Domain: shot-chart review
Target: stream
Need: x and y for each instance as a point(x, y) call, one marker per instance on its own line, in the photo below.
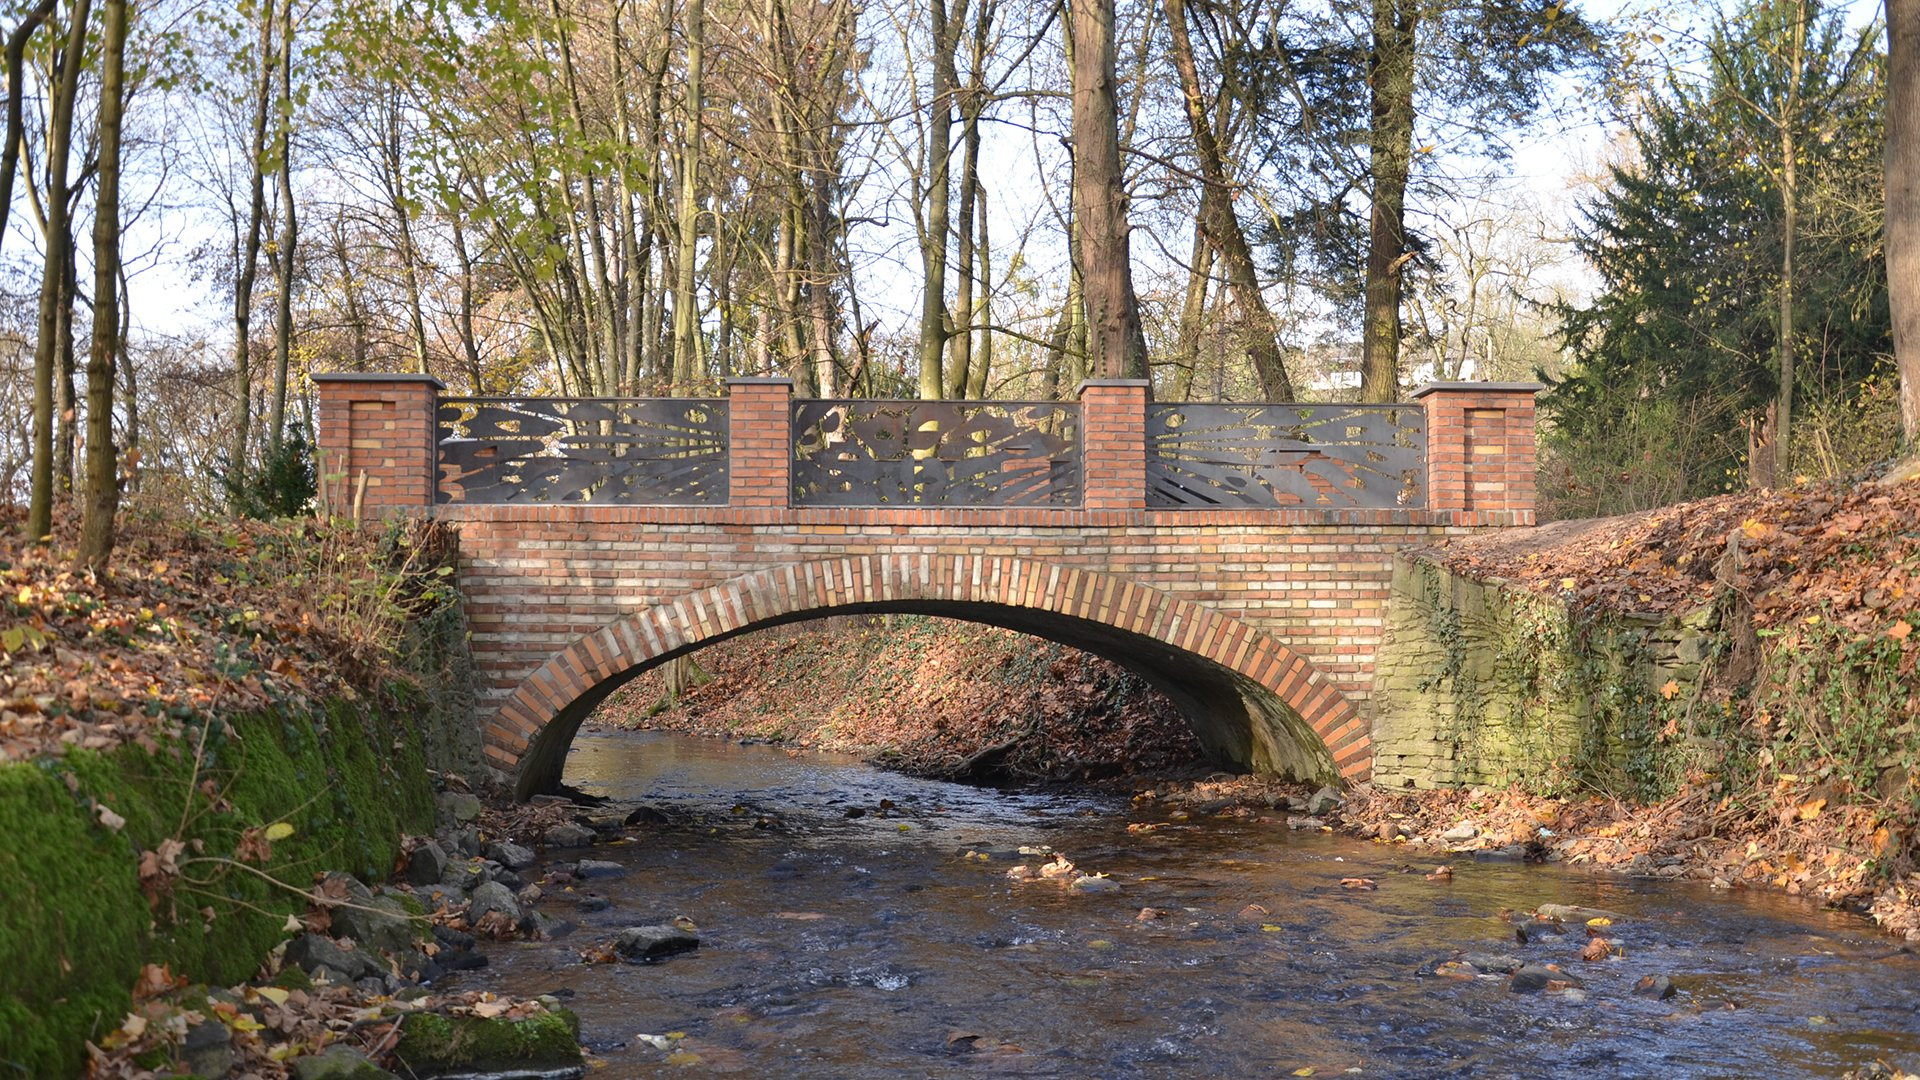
point(874, 946)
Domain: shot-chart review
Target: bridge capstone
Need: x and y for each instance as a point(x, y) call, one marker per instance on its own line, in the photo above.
point(1249, 585)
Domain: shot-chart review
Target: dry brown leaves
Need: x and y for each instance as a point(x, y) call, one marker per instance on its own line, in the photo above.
point(195, 618)
point(269, 1026)
point(1851, 553)
point(925, 698)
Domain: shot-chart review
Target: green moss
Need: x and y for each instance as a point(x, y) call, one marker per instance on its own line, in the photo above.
point(75, 927)
point(434, 1043)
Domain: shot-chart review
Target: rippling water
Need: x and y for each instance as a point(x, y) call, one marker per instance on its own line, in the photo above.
point(870, 947)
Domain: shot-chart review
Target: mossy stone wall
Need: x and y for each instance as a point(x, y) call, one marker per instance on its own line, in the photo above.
point(75, 926)
point(1476, 682)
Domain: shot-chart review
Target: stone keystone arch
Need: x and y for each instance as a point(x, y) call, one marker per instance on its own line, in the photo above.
point(1253, 702)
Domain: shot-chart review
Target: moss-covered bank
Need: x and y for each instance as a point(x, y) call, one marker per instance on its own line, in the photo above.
point(1476, 683)
point(76, 926)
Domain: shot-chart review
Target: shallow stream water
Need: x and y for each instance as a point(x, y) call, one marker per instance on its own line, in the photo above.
point(871, 946)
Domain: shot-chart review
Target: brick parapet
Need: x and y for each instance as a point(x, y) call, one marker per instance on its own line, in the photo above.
point(760, 442)
point(1480, 447)
point(1113, 444)
point(375, 442)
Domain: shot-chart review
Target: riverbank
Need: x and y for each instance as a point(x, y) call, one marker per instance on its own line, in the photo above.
point(202, 754)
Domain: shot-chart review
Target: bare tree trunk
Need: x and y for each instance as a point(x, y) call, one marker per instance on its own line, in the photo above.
point(66, 400)
point(982, 364)
point(1903, 202)
point(289, 237)
point(103, 480)
point(1118, 343)
point(972, 103)
point(1781, 463)
point(16, 103)
point(1396, 24)
point(248, 262)
point(469, 343)
point(1222, 225)
point(53, 277)
point(686, 316)
point(394, 178)
point(356, 315)
point(933, 237)
point(1199, 270)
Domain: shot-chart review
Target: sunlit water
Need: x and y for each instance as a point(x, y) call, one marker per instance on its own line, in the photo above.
point(869, 947)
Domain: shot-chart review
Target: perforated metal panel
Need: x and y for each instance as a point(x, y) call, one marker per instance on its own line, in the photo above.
point(935, 453)
point(659, 451)
point(1285, 455)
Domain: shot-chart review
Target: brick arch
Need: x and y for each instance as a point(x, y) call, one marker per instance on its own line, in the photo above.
point(1297, 721)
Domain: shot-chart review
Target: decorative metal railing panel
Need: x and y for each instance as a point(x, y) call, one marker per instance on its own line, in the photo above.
point(659, 451)
point(1286, 455)
point(936, 453)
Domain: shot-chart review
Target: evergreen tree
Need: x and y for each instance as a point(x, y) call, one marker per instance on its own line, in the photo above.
point(1677, 352)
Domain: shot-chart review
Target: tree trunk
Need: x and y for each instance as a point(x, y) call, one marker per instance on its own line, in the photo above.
point(982, 365)
point(686, 316)
point(66, 401)
point(1395, 28)
point(1782, 464)
point(934, 234)
point(103, 480)
point(1222, 225)
point(972, 104)
point(1116, 340)
point(16, 103)
point(289, 237)
point(53, 276)
point(248, 261)
point(1903, 202)
point(1199, 270)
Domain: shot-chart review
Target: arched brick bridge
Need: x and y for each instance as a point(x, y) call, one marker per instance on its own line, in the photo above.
point(1237, 557)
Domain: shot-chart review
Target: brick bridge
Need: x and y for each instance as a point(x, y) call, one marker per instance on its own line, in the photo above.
point(1238, 557)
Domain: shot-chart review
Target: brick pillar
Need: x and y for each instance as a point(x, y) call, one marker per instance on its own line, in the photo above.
point(376, 442)
point(1480, 453)
point(1113, 443)
point(760, 442)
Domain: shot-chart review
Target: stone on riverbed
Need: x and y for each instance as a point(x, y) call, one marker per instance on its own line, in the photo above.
point(337, 1063)
point(316, 954)
point(426, 865)
point(1572, 913)
point(545, 1043)
point(597, 868)
point(381, 922)
point(1498, 964)
point(1657, 987)
point(510, 855)
point(569, 834)
point(1531, 979)
point(493, 897)
point(456, 808)
point(1327, 798)
point(643, 943)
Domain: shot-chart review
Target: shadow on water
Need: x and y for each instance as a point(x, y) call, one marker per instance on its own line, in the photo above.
point(870, 946)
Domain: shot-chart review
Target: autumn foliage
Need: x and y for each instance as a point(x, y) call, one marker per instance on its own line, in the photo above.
point(198, 618)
